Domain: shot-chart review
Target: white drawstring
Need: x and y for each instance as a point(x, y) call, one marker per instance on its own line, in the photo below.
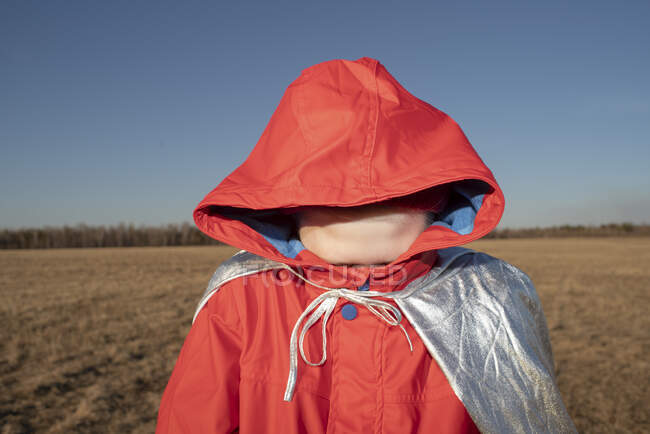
point(324, 305)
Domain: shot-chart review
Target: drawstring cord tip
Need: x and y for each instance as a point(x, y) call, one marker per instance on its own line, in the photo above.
point(407, 337)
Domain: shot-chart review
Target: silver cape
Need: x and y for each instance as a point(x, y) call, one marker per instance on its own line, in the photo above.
point(481, 320)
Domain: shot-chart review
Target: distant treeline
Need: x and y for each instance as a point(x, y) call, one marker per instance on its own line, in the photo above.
point(604, 230)
point(122, 235)
point(186, 234)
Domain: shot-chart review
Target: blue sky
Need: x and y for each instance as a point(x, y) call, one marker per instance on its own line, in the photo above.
point(132, 111)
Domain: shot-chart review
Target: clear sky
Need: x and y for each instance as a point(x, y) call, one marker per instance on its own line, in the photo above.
point(132, 111)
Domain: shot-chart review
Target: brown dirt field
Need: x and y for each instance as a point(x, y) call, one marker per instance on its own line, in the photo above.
point(90, 336)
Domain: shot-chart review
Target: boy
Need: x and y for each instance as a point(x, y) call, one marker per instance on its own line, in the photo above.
point(348, 211)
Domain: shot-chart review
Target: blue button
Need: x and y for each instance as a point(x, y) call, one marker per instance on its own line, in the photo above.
point(349, 311)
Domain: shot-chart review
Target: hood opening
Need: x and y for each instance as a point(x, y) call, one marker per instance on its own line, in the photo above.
point(279, 228)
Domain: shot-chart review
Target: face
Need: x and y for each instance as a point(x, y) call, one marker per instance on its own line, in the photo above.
point(372, 234)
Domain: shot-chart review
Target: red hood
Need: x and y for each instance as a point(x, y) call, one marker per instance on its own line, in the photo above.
point(346, 133)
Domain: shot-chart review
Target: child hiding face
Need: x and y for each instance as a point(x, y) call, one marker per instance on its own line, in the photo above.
point(350, 306)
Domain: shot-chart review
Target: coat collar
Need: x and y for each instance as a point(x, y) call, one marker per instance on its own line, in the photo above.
point(384, 278)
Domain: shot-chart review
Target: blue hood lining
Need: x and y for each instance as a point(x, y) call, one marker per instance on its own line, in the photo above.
point(465, 200)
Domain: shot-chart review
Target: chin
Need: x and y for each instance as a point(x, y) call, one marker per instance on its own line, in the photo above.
point(337, 253)
point(361, 264)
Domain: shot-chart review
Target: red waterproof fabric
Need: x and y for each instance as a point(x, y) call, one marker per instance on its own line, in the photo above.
point(345, 133)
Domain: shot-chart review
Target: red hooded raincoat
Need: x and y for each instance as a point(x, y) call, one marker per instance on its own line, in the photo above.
point(345, 133)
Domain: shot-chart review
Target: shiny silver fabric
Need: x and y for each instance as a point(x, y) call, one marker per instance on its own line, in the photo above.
point(482, 321)
point(240, 264)
point(480, 318)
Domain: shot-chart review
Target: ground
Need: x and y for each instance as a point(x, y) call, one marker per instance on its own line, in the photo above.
point(90, 336)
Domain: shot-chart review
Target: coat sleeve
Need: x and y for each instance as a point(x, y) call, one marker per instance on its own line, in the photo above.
point(202, 395)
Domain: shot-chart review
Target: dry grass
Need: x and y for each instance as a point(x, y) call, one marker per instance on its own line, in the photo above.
point(90, 336)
